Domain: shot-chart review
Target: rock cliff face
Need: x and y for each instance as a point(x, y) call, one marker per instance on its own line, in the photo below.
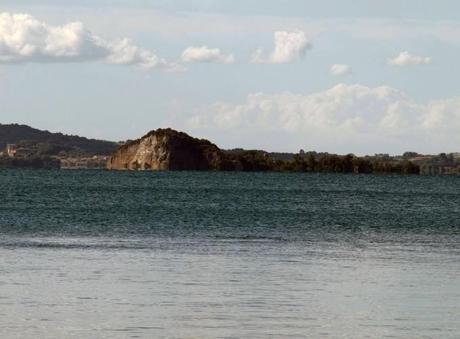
point(166, 149)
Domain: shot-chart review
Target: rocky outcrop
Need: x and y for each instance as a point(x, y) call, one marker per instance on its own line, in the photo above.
point(166, 149)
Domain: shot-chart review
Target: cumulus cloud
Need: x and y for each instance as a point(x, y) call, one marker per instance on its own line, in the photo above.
point(344, 117)
point(206, 54)
point(289, 47)
point(340, 70)
point(407, 59)
point(26, 39)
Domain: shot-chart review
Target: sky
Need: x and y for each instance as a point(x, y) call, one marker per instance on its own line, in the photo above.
point(363, 77)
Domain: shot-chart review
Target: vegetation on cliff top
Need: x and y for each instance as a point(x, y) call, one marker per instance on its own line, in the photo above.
point(160, 132)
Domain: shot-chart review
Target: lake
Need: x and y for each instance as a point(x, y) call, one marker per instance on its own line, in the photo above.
point(96, 254)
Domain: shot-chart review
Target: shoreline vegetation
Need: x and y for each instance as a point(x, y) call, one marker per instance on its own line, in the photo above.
point(166, 149)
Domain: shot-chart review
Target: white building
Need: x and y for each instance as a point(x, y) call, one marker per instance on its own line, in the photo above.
point(11, 150)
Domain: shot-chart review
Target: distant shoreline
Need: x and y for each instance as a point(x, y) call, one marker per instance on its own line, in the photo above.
point(22, 146)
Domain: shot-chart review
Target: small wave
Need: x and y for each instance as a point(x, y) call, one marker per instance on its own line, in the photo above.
point(250, 238)
point(83, 244)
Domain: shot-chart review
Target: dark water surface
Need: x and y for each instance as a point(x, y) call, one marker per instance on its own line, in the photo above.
point(94, 254)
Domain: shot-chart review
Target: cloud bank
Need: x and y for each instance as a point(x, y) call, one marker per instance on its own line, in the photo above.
point(26, 39)
point(407, 59)
point(206, 54)
point(289, 47)
point(344, 117)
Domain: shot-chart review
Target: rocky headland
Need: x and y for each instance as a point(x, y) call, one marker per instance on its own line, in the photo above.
point(166, 149)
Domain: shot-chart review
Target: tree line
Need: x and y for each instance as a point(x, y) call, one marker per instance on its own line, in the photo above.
point(241, 160)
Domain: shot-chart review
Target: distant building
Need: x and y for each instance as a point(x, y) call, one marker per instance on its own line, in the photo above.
point(431, 169)
point(24, 152)
point(421, 159)
point(11, 150)
point(94, 162)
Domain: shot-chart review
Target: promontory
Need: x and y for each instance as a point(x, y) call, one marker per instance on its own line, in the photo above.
point(166, 149)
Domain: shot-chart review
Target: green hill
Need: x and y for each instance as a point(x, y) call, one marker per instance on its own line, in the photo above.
point(52, 143)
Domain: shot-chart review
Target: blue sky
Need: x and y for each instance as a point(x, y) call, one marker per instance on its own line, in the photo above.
point(375, 76)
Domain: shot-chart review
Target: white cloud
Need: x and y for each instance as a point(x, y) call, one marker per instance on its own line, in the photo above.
point(407, 59)
point(26, 39)
point(125, 53)
point(340, 70)
point(206, 54)
point(289, 47)
point(344, 117)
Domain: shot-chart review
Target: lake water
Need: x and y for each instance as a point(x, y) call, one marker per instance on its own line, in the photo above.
point(94, 254)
